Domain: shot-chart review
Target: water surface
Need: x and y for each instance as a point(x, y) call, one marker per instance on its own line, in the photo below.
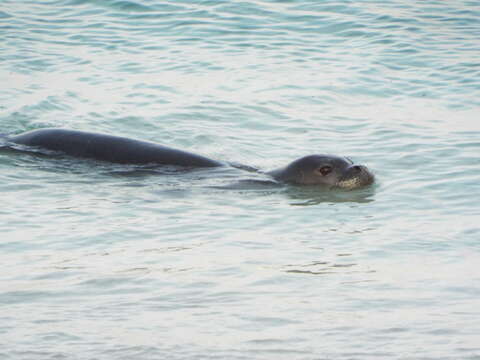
point(100, 262)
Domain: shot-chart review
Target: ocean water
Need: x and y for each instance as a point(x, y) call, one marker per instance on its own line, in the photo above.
point(104, 262)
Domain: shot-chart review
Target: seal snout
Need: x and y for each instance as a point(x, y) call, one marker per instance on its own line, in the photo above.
point(356, 168)
point(356, 176)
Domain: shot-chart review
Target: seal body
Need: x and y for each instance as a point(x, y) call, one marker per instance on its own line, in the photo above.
point(110, 148)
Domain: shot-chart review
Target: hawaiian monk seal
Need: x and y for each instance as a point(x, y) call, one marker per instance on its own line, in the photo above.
point(326, 170)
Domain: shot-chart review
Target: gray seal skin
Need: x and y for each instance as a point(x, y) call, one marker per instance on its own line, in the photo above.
point(324, 170)
point(110, 148)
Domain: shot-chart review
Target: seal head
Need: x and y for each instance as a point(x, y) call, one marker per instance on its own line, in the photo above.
point(326, 170)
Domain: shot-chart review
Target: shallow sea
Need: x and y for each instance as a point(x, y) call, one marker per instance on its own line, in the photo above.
point(103, 262)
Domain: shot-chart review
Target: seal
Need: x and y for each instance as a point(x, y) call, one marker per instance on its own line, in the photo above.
point(324, 170)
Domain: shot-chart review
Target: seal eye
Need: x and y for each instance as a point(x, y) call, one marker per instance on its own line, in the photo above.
point(325, 170)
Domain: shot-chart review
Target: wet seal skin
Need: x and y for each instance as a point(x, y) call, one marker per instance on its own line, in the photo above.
point(319, 170)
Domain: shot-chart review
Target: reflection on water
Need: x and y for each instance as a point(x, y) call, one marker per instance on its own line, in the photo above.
point(309, 195)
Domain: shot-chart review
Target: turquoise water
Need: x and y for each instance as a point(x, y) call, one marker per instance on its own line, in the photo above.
point(101, 262)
